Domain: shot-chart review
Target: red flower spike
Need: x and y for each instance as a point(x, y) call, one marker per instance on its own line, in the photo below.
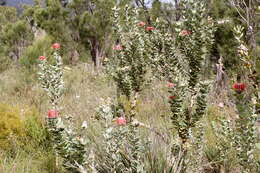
point(117, 47)
point(184, 33)
point(239, 87)
point(56, 46)
point(172, 97)
point(149, 28)
point(141, 24)
point(121, 121)
point(41, 58)
point(53, 113)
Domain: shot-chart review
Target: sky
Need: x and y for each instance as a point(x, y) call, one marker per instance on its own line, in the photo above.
point(18, 2)
point(168, 1)
point(12, 2)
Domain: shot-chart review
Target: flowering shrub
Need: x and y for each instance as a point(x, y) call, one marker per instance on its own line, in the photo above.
point(129, 65)
point(122, 149)
point(240, 134)
point(51, 78)
point(195, 46)
point(178, 58)
point(66, 142)
point(244, 133)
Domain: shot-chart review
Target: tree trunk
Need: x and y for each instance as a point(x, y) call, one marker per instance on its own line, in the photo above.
point(177, 9)
point(251, 37)
point(96, 53)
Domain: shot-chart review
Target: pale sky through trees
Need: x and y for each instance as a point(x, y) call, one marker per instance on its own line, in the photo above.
point(168, 1)
point(19, 2)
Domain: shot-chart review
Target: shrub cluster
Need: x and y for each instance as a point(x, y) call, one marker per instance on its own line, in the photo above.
point(20, 127)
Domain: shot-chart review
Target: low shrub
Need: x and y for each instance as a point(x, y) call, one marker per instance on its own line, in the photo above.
point(11, 126)
point(20, 127)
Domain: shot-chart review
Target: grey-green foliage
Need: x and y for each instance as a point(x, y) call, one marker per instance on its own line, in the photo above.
point(222, 152)
point(195, 45)
point(129, 64)
point(51, 78)
point(245, 137)
point(180, 58)
point(164, 58)
point(70, 146)
point(122, 150)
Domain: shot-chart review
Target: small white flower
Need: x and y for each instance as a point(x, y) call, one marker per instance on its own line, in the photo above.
point(107, 109)
point(223, 21)
point(243, 47)
point(84, 125)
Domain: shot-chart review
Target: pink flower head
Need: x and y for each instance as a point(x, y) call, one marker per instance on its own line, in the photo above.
point(172, 97)
point(221, 105)
point(117, 47)
point(56, 46)
point(184, 33)
point(141, 24)
point(121, 121)
point(239, 87)
point(149, 28)
point(170, 85)
point(41, 58)
point(52, 113)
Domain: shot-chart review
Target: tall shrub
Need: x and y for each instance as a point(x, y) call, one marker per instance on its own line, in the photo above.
point(180, 59)
point(66, 142)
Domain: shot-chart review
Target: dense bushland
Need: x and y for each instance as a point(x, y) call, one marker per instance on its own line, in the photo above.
point(174, 88)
